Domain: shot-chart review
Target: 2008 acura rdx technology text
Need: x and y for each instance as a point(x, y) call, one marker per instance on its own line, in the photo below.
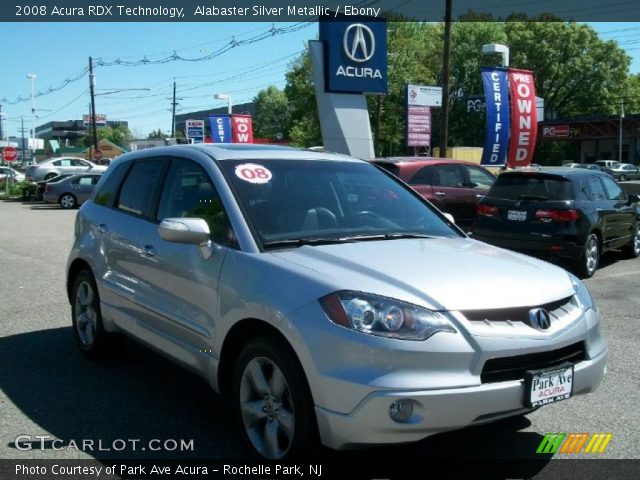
point(324, 297)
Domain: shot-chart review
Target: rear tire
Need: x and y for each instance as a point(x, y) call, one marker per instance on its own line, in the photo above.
point(86, 317)
point(588, 262)
point(271, 399)
point(67, 201)
point(632, 250)
point(623, 178)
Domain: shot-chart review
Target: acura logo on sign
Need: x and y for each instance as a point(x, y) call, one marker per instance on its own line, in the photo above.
point(540, 318)
point(362, 45)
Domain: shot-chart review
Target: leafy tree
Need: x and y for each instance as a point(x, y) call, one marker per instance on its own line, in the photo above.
point(157, 134)
point(272, 114)
point(120, 135)
point(304, 126)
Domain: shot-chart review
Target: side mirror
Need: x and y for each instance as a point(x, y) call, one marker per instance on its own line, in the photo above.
point(633, 198)
point(184, 230)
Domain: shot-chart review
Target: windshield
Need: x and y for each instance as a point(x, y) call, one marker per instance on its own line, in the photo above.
point(288, 201)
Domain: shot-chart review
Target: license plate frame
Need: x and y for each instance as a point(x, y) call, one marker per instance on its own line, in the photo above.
point(554, 384)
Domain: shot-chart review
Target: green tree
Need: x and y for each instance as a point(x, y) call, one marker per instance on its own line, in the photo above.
point(304, 126)
point(271, 119)
point(157, 134)
point(120, 135)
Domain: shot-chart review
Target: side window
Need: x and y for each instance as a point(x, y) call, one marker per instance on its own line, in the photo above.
point(136, 194)
point(188, 192)
point(614, 192)
point(57, 163)
point(583, 191)
point(422, 177)
point(480, 178)
point(108, 190)
point(83, 181)
point(597, 190)
point(78, 163)
point(448, 176)
point(65, 163)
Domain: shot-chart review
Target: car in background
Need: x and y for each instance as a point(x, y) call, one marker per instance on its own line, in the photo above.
point(594, 166)
point(607, 163)
point(454, 186)
point(566, 213)
point(323, 297)
point(72, 191)
point(8, 172)
point(625, 171)
point(56, 166)
point(40, 186)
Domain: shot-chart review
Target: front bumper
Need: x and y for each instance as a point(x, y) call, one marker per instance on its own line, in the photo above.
point(437, 410)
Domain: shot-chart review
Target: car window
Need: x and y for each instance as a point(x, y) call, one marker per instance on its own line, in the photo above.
point(77, 163)
point(481, 178)
point(613, 191)
point(65, 163)
point(188, 192)
point(57, 163)
point(106, 193)
point(84, 181)
point(422, 177)
point(536, 186)
point(596, 189)
point(583, 192)
point(136, 194)
point(447, 176)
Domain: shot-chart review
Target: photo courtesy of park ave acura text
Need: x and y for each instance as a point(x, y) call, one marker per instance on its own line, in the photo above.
point(368, 240)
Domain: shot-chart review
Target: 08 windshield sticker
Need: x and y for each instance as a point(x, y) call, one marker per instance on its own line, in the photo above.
point(253, 173)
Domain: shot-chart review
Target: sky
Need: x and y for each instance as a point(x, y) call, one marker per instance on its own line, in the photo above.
point(57, 52)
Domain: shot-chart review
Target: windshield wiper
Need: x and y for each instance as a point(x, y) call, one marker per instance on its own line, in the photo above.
point(299, 242)
point(384, 236)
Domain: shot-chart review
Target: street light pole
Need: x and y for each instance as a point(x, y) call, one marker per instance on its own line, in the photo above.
point(224, 96)
point(32, 77)
point(444, 130)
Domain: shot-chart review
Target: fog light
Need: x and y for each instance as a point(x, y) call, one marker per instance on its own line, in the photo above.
point(401, 410)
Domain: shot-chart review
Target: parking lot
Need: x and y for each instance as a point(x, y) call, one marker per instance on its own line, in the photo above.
point(49, 388)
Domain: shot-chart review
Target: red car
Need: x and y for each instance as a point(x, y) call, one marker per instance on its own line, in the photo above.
point(454, 186)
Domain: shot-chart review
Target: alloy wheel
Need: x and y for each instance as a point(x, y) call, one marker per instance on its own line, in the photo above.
point(592, 254)
point(86, 315)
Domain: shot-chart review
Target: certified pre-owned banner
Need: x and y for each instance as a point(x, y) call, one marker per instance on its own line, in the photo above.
point(524, 118)
point(497, 133)
point(220, 128)
point(242, 131)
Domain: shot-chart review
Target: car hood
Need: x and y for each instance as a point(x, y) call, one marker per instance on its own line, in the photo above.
point(451, 274)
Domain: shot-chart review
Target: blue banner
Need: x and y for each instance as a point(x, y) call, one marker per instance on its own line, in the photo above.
point(220, 128)
point(496, 140)
point(355, 51)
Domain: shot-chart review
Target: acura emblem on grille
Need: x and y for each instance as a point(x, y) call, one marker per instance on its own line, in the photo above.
point(539, 318)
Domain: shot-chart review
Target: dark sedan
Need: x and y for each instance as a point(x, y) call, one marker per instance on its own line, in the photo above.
point(566, 213)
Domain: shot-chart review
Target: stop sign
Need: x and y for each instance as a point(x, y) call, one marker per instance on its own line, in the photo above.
point(9, 154)
point(97, 154)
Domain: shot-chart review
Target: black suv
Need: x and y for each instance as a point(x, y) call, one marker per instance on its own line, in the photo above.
point(565, 213)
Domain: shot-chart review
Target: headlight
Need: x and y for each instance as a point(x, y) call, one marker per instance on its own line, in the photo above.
point(383, 316)
point(582, 293)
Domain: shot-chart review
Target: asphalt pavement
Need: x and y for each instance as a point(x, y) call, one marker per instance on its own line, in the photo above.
point(49, 389)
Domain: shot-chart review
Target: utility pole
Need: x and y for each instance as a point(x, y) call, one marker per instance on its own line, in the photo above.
point(93, 110)
point(173, 112)
point(1, 121)
point(444, 130)
point(621, 117)
point(22, 136)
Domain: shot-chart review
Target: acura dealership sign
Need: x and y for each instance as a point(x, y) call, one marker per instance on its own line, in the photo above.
point(355, 56)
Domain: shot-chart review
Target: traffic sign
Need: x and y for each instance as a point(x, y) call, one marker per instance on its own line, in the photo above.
point(9, 154)
point(97, 154)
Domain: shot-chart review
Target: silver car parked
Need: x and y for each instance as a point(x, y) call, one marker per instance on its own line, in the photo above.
point(56, 166)
point(326, 298)
point(72, 191)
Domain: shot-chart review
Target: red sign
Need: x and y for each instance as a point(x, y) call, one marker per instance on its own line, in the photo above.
point(524, 118)
point(555, 131)
point(241, 129)
point(97, 154)
point(9, 154)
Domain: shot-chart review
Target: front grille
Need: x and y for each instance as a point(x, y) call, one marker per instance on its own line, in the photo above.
point(517, 314)
point(513, 368)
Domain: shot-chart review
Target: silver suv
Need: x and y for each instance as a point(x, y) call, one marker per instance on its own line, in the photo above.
point(326, 298)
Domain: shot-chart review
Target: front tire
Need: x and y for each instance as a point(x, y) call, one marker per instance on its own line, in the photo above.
point(86, 317)
point(632, 250)
point(623, 178)
point(67, 201)
point(588, 262)
point(272, 402)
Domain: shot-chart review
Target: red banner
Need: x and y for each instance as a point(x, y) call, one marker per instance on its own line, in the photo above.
point(524, 118)
point(241, 129)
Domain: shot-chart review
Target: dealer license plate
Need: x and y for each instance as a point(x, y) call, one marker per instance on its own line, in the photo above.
point(548, 386)
point(517, 215)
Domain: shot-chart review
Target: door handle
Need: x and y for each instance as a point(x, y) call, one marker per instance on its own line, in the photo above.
point(149, 250)
point(440, 194)
point(102, 228)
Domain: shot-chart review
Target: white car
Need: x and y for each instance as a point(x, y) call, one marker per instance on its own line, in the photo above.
point(56, 166)
point(11, 173)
